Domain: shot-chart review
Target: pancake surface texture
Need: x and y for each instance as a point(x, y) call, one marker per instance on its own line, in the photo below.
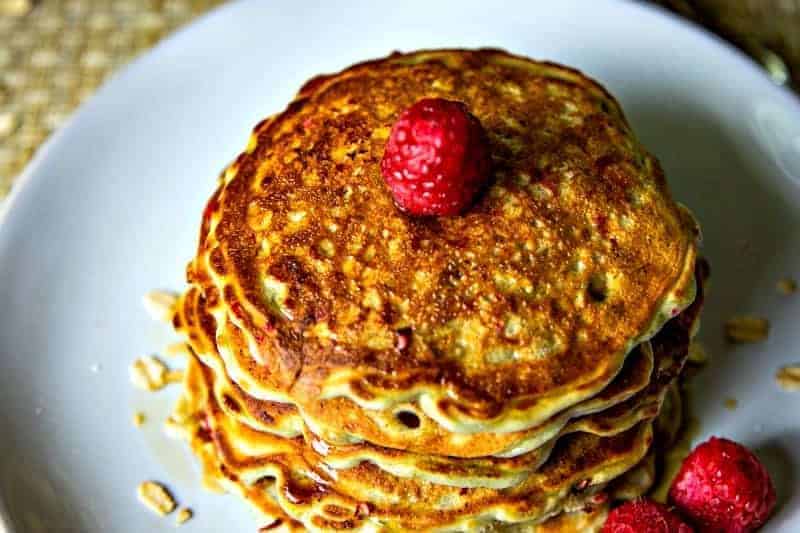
point(526, 304)
point(357, 368)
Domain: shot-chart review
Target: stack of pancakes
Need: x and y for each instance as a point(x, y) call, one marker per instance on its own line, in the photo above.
point(357, 368)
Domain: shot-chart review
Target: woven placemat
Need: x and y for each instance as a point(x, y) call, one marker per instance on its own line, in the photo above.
point(54, 53)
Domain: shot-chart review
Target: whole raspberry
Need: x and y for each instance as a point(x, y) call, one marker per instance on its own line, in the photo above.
point(644, 516)
point(436, 159)
point(723, 487)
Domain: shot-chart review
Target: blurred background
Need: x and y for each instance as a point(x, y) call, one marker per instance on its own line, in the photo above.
point(55, 53)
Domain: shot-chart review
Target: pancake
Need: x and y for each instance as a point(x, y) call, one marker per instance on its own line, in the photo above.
point(672, 346)
point(471, 472)
point(365, 498)
point(428, 437)
point(632, 484)
point(408, 427)
point(476, 472)
point(634, 377)
point(489, 322)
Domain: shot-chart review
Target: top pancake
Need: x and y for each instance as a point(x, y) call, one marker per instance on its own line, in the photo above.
point(495, 320)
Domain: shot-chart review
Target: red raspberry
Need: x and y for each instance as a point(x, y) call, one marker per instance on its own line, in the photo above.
point(644, 516)
point(723, 488)
point(436, 159)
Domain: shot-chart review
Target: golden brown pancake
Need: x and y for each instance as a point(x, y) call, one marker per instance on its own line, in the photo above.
point(364, 497)
point(627, 388)
point(481, 471)
point(492, 321)
point(491, 472)
point(374, 425)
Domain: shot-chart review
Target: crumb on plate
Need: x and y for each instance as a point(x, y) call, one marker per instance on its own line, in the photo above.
point(731, 403)
point(788, 377)
point(184, 515)
point(151, 373)
point(743, 329)
point(156, 497)
point(160, 305)
point(139, 419)
point(787, 286)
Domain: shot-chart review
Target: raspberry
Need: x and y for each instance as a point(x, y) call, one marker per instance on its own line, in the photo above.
point(436, 159)
point(723, 487)
point(644, 516)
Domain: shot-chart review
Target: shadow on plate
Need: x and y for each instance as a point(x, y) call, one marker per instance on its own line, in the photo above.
point(776, 454)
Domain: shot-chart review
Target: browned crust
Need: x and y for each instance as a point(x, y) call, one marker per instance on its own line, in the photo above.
point(461, 255)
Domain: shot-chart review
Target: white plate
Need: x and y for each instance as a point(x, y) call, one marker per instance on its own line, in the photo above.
point(110, 209)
